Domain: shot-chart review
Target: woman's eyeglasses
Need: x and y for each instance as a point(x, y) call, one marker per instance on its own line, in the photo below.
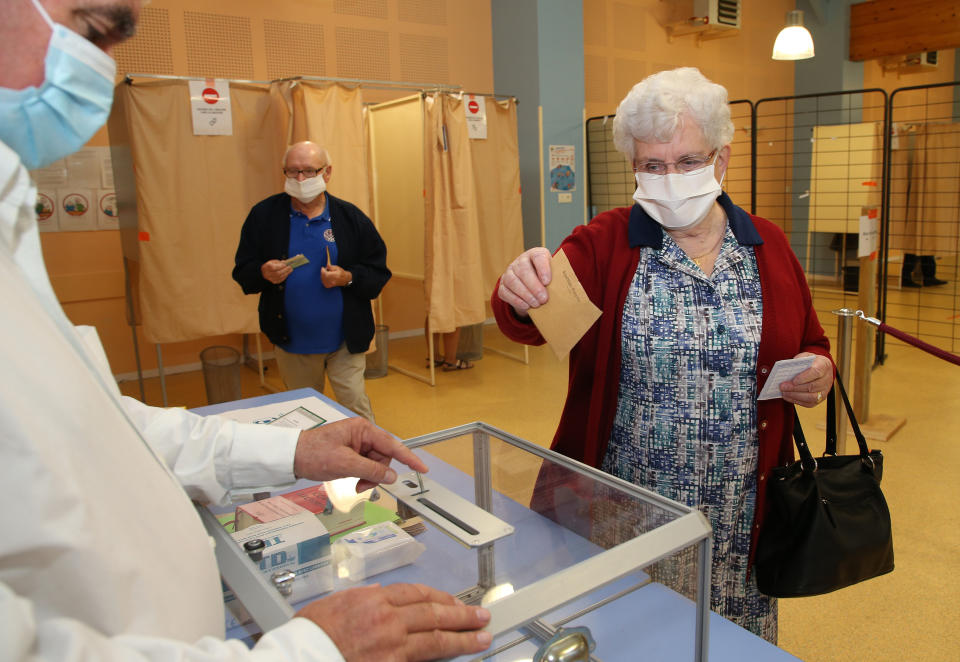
point(687, 165)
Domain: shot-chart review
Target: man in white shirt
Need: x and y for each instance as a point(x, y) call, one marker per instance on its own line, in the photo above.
point(102, 555)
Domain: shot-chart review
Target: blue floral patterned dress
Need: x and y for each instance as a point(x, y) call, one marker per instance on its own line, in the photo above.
point(686, 422)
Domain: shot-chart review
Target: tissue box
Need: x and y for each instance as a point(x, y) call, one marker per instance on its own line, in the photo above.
point(299, 543)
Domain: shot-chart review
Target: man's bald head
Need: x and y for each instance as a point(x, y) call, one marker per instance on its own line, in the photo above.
point(306, 154)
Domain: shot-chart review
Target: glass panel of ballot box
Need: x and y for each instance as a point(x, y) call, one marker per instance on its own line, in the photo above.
point(571, 562)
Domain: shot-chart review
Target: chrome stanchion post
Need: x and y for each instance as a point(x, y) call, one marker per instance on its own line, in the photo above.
point(842, 358)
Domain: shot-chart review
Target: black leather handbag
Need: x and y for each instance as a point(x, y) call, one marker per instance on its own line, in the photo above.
point(828, 526)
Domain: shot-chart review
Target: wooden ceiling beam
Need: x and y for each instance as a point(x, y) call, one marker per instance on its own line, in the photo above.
point(880, 28)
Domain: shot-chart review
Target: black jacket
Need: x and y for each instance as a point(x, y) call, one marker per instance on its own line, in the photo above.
point(266, 236)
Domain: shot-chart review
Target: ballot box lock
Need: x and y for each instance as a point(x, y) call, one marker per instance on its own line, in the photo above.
point(283, 580)
point(567, 645)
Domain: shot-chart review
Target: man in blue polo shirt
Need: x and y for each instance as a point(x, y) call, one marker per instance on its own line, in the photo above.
point(315, 311)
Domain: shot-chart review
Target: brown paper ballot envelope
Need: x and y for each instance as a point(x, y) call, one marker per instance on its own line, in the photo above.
point(568, 312)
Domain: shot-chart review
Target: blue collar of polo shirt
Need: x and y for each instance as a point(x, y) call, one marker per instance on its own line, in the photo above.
point(644, 231)
point(322, 216)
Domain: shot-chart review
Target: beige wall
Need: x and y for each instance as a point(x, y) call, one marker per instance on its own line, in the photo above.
point(626, 40)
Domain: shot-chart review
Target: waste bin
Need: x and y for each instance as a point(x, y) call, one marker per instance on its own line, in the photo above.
point(221, 373)
point(470, 345)
point(377, 359)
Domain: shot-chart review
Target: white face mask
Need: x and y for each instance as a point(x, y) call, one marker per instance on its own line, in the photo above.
point(306, 191)
point(678, 201)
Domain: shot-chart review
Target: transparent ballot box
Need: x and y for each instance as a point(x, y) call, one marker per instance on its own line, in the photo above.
point(572, 563)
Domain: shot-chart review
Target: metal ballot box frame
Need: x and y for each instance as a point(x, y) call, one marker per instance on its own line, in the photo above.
point(526, 532)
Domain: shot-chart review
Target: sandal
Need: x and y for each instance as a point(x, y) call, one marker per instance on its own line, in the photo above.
point(436, 362)
point(459, 365)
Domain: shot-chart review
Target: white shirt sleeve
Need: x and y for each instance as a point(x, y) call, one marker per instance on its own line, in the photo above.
point(214, 457)
point(29, 639)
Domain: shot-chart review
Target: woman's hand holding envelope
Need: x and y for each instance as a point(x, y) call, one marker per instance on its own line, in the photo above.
point(523, 284)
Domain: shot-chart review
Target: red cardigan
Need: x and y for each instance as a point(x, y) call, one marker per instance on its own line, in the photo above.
point(604, 254)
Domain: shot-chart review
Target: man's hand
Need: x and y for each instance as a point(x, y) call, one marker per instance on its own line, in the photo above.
point(810, 387)
point(523, 284)
point(334, 276)
point(275, 271)
point(399, 623)
point(354, 447)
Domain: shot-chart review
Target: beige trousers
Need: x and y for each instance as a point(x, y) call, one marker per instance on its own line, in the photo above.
point(345, 371)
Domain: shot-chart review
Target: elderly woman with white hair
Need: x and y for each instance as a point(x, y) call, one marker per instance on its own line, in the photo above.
point(699, 299)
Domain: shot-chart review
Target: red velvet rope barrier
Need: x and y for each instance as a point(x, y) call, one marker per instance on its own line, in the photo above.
point(916, 342)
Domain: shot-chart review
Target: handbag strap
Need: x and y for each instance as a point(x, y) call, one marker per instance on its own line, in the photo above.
point(807, 461)
point(861, 440)
point(806, 457)
point(831, 446)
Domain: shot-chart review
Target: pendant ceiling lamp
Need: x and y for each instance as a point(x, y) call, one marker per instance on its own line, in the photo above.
point(794, 41)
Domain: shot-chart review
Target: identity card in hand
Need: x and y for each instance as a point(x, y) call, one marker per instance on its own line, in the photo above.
point(297, 260)
point(783, 371)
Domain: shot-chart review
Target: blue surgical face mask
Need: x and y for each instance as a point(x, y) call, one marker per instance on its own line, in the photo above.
point(46, 123)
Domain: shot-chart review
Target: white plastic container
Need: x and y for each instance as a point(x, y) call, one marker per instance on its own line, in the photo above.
point(374, 549)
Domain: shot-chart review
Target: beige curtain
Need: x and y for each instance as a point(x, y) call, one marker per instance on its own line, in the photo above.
point(455, 292)
point(496, 170)
point(193, 193)
point(332, 116)
point(395, 131)
point(925, 190)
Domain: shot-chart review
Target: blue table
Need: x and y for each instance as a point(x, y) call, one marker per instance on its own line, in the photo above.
point(652, 623)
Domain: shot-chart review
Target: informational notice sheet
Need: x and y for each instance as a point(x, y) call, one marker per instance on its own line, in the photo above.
point(475, 109)
point(210, 107)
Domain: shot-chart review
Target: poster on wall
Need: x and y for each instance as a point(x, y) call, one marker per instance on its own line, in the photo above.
point(108, 215)
point(48, 216)
point(475, 108)
point(76, 192)
point(77, 210)
point(85, 167)
point(210, 107)
point(562, 164)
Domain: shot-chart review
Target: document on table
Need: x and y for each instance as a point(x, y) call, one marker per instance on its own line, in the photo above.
point(783, 371)
point(568, 312)
point(291, 411)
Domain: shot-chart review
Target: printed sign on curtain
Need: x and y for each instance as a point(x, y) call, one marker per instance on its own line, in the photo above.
point(210, 107)
point(562, 168)
point(475, 108)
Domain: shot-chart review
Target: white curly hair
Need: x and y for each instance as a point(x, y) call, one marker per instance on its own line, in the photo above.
point(653, 110)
